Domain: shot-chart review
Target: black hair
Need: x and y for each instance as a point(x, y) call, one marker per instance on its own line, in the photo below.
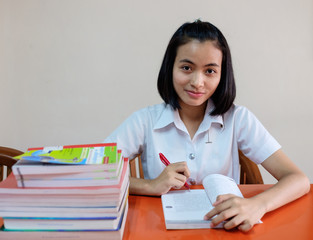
point(225, 93)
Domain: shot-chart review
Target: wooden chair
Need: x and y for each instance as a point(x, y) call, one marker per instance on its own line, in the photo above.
point(249, 171)
point(7, 160)
point(136, 167)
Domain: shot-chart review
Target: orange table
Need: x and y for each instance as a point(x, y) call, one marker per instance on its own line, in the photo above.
point(145, 220)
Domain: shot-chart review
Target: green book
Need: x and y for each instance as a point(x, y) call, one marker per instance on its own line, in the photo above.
point(69, 159)
point(102, 153)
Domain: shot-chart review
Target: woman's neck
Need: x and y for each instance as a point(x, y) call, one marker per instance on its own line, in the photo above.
point(192, 116)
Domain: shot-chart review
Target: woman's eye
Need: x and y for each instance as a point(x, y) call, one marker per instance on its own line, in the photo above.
point(210, 71)
point(186, 68)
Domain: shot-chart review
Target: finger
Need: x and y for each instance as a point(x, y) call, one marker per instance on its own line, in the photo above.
point(233, 222)
point(209, 215)
point(177, 184)
point(222, 206)
point(226, 215)
point(245, 227)
point(186, 172)
point(182, 168)
point(181, 178)
point(176, 180)
point(222, 198)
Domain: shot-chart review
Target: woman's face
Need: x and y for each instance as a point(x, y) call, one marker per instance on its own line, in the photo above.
point(196, 72)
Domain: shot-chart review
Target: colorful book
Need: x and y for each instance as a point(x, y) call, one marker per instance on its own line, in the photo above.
point(57, 212)
point(79, 212)
point(9, 187)
point(68, 159)
point(99, 153)
point(71, 200)
point(84, 179)
point(65, 224)
point(81, 202)
point(6, 234)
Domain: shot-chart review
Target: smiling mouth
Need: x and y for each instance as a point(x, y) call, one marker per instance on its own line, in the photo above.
point(194, 94)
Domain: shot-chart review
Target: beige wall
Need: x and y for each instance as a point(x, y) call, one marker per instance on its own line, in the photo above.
point(71, 70)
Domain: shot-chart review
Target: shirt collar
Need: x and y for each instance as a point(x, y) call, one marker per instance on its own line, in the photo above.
point(169, 116)
point(208, 119)
point(166, 117)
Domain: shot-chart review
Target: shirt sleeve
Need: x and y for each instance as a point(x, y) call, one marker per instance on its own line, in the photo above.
point(252, 137)
point(129, 136)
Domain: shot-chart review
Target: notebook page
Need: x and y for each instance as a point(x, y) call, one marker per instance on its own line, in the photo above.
point(217, 184)
point(182, 206)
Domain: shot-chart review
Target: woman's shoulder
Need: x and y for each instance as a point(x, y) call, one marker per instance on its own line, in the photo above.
point(239, 113)
point(236, 109)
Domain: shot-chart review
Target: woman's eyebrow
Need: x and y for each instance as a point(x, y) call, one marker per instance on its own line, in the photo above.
point(207, 65)
point(212, 65)
point(186, 61)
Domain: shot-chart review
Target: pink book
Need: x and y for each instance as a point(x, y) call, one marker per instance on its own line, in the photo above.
point(9, 186)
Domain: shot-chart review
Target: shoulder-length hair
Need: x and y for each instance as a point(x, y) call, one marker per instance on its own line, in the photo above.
point(225, 94)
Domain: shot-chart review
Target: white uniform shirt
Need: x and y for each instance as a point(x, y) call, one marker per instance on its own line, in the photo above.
point(213, 149)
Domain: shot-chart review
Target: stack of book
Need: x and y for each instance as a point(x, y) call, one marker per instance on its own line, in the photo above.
point(66, 192)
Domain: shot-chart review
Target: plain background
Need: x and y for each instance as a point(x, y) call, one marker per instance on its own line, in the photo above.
point(72, 70)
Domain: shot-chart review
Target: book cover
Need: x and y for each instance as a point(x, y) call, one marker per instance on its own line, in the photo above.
point(77, 158)
point(100, 153)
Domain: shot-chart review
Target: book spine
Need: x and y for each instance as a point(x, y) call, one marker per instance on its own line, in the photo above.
point(79, 146)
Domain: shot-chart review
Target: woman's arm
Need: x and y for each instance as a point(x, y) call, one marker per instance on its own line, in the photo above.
point(244, 213)
point(173, 176)
point(292, 182)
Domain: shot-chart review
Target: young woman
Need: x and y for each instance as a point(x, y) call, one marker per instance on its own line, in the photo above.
point(199, 129)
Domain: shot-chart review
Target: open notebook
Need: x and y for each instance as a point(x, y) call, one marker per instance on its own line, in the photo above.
point(185, 209)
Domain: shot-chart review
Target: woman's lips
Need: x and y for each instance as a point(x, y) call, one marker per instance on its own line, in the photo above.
point(194, 94)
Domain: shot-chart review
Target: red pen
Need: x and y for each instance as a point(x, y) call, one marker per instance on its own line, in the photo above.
point(166, 163)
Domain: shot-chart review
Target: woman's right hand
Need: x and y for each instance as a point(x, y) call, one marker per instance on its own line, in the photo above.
point(173, 176)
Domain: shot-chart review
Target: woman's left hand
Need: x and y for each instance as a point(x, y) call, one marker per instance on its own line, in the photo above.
point(238, 212)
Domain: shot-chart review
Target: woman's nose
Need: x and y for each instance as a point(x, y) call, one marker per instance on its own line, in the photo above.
point(197, 80)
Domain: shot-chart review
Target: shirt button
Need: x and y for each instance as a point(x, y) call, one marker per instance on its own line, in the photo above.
point(192, 181)
point(192, 156)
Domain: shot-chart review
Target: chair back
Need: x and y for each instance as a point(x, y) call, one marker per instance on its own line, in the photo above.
point(249, 171)
point(7, 160)
point(136, 167)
